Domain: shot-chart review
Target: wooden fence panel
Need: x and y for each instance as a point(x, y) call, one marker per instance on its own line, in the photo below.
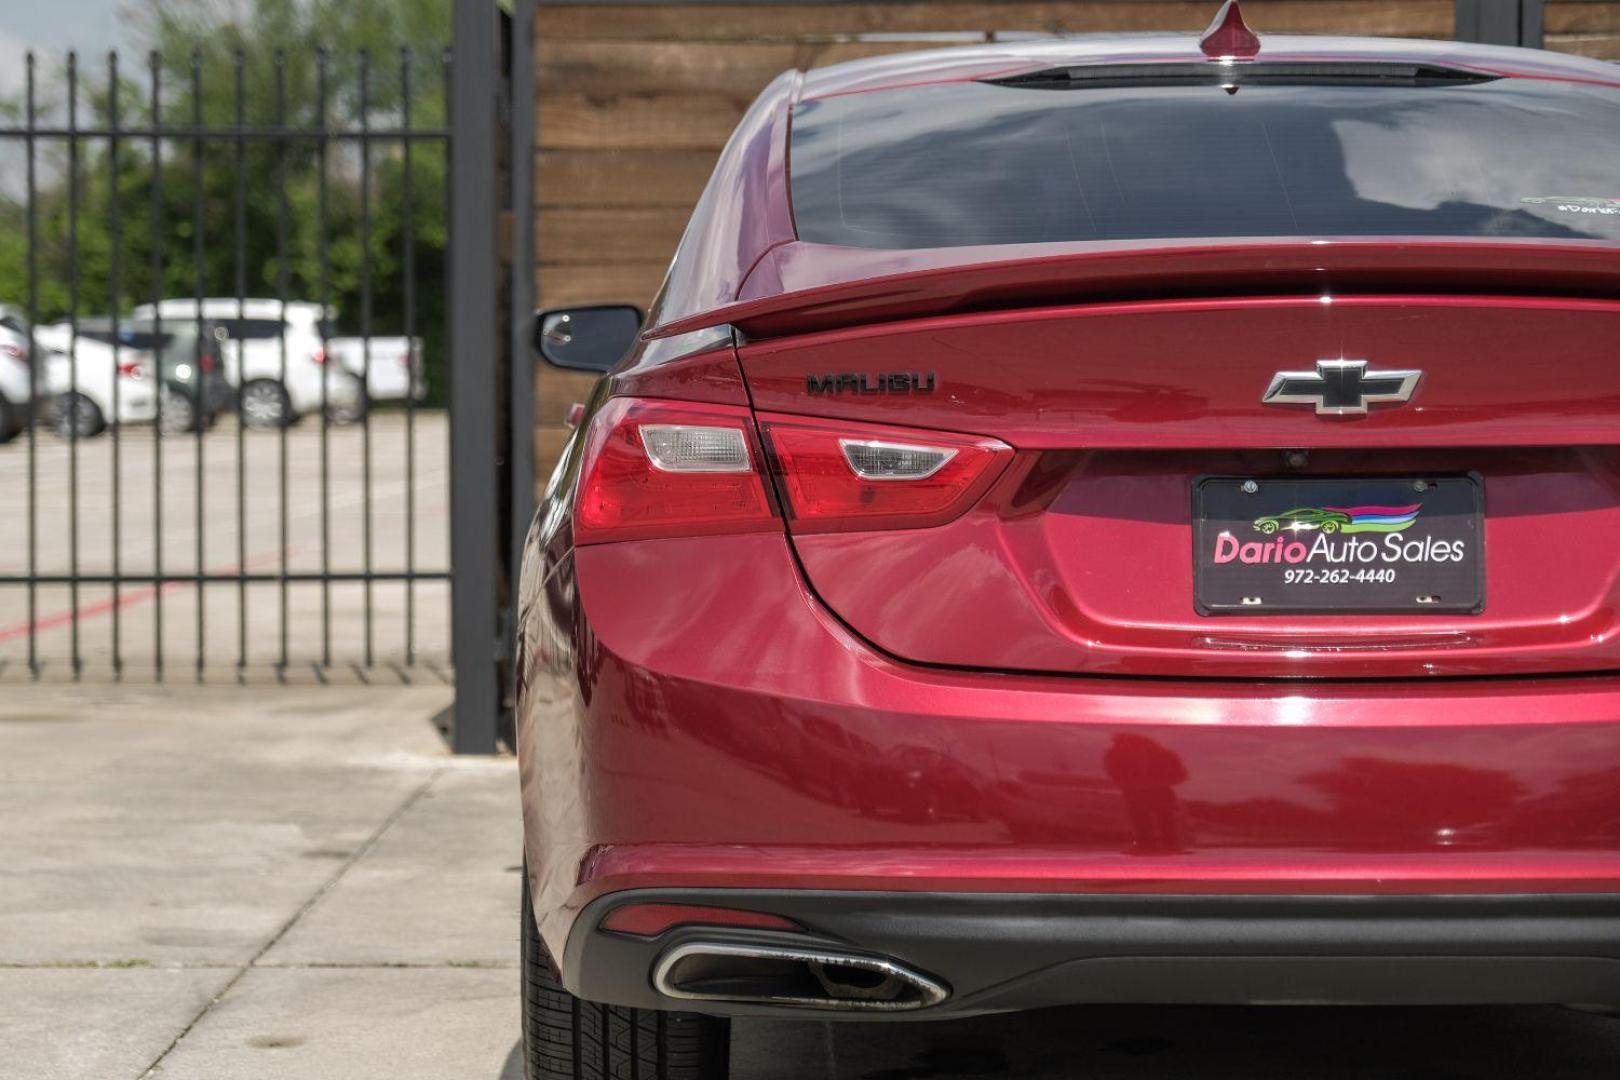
point(623, 177)
point(791, 22)
point(1587, 27)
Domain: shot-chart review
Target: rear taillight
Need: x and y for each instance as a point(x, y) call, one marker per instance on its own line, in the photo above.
point(318, 356)
point(660, 469)
point(134, 368)
point(665, 468)
point(16, 352)
point(840, 476)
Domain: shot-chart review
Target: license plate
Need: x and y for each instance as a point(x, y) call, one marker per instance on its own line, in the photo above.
point(1353, 545)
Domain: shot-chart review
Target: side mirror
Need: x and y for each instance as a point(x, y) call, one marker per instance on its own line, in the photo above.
point(586, 338)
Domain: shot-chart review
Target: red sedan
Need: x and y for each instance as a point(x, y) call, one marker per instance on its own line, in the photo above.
point(896, 636)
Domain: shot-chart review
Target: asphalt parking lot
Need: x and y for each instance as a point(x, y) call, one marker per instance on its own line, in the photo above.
point(325, 528)
point(202, 884)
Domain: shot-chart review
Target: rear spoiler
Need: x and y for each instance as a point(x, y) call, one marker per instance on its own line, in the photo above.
point(807, 287)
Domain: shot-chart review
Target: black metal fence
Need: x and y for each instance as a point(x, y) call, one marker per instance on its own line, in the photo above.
point(228, 289)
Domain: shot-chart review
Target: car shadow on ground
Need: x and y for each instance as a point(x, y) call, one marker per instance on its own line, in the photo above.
point(1185, 1043)
point(512, 1069)
point(1192, 1043)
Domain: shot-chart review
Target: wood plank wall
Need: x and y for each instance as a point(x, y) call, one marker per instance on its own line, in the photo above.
point(635, 102)
point(1588, 27)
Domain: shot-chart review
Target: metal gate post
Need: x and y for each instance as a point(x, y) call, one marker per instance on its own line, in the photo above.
point(521, 408)
point(1532, 22)
point(1501, 22)
point(475, 535)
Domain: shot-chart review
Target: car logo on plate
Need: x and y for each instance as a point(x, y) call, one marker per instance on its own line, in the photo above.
point(1341, 387)
point(1345, 519)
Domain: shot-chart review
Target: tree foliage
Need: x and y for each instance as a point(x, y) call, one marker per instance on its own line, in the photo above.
point(120, 222)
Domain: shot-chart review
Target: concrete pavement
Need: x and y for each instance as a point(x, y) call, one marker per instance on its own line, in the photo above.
point(220, 883)
point(299, 884)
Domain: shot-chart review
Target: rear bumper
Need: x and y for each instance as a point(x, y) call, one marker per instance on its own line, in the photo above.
point(995, 953)
point(391, 382)
point(137, 402)
point(703, 723)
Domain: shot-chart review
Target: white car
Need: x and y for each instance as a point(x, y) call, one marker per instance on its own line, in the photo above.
point(17, 391)
point(170, 377)
point(279, 353)
point(392, 367)
point(80, 374)
point(274, 356)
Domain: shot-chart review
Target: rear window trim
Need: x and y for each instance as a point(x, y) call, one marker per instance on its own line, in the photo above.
point(1262, 72)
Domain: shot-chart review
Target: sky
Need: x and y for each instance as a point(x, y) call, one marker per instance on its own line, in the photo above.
point(52, 27)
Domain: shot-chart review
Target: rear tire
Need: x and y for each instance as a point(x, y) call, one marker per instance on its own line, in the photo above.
point(265, 405)
point(177, 413)
point(76, 415)
point(10, 420)
point(350, 405)
point(565, 1038)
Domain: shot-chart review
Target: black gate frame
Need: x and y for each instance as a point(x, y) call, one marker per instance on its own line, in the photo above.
point(478, 642)
point(492, 117)
point(192, 135)
point(491, 433)
point(490, 84)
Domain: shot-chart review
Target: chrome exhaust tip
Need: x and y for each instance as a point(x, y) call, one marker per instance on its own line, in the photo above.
point(804, 978)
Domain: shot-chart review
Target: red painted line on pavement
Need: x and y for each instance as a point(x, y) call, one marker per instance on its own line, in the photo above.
point(90, 611)
point(104, 607)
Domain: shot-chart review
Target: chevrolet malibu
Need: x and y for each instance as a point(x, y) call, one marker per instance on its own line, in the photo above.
point(886, 646)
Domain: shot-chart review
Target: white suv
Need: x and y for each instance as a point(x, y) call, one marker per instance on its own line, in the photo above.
point(20, 395)
point(275, 356)
point(16, 388)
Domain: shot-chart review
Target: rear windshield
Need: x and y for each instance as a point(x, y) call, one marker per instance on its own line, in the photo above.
point(254, 329)
point(128, 338)
point(978, 163)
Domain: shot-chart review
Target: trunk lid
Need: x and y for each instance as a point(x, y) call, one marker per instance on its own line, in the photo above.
point(1080, 558)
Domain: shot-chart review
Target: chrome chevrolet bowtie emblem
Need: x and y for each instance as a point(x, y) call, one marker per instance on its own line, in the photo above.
point(1341, 387)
